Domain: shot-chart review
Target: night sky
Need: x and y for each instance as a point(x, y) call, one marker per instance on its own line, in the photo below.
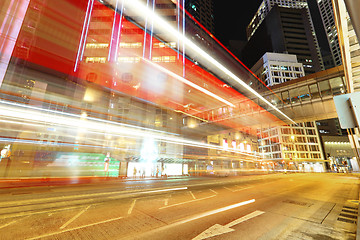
point(232, 17)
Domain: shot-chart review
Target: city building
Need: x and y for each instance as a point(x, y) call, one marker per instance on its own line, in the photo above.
point(284, 30)
point(265, 8)
point(293, 147)
point(203, 11)
point(328, 21)
point(276, 68)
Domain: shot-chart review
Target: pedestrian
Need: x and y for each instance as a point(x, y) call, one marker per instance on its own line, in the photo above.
point(135, 172)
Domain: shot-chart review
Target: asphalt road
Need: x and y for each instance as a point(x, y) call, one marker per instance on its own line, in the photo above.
point(277, 206)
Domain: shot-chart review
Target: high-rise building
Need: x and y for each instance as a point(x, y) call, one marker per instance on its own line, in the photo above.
point(328, 20)
point(284, 30)
point(275, 68)
point(265, 8)
point(203, 11)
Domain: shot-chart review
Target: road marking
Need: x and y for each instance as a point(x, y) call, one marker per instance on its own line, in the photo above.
point(195, 217)
point(22, 214)
point(177, 204)
point(64, 198)
point(132, 206)
point(218, 229)
point(166, 202)
point(218, 210)
point(244, 218)
point(75, 228)
point(242, 189)
point(193, 196)
point(75, 217)
point(7, 224)
point(213, 191)
point(237, 190)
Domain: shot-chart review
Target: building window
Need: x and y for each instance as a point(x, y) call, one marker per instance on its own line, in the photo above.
point(95, 60)
point(287, 74)
point(130, 45)
point(276, 73)
point(129, 59)
point(97, 45)
point(164, 59)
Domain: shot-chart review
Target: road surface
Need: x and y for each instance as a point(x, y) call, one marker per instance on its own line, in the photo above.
point(276, 206)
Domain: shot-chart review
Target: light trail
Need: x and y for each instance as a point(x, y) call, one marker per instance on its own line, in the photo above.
point(138, 7)
point(189, 83)
point(45, 116)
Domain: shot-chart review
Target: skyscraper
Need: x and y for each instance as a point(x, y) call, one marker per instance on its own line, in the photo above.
point(283, 30)
point(265, 8)
point(327, 16)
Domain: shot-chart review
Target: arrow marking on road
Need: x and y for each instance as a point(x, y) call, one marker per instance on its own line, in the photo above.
point(218, 229)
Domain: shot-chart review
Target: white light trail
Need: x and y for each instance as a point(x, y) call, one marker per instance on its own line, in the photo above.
point(138, 7)
point(217, 211)
point(86, 31)
point(112, 30)
point(189, 83)
point(90, 2)
point(45, 116)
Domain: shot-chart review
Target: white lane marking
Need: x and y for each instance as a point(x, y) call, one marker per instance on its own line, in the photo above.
point(7, 224)
point(213, 191)
point(132, 206)
point(166, 190)
point(22, 214)
point(75, 228)
point(218, 229)
point(237, 190)
point(64, 198)
point(242, 189)
point(74, 217)
point(177, 204)
point(198, 216)
point(218, 210)
point(193, 196)
point(244, 218)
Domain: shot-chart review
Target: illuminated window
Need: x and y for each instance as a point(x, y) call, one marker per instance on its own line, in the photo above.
point(95, 60)
point(164, 59)
point(274, 67)
point(97, 45)
point(130, 45)
point(129, 59)
point(165, 45)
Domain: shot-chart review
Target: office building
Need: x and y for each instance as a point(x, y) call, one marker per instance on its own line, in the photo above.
point(265, 8)
point(284, 30)
point(328, 21)
point(275, 68)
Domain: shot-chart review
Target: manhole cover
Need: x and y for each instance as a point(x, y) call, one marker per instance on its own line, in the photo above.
point(296, 202)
